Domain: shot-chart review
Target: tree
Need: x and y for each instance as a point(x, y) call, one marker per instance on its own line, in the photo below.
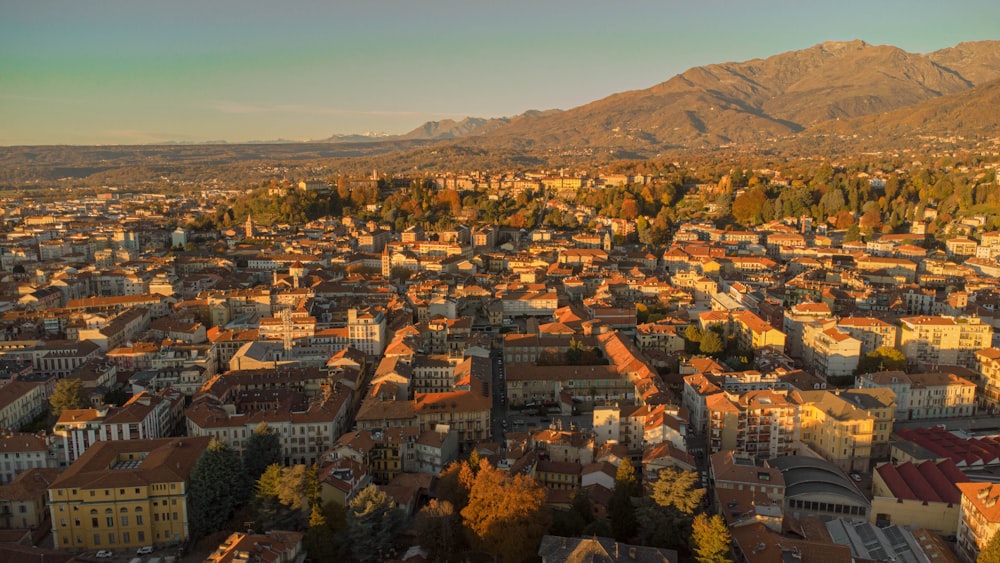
point(67, 395)
point(263, 449)
point(711, 343)
point(677, 489)
point(284, 497)
point(749, 207)
point(454, 484)
point(621, 509)
point(881, 359)
point(321, 538)
point(372, 522)
point(439, 529)
point(710, 539)
point(506, 515)
point(218, 486)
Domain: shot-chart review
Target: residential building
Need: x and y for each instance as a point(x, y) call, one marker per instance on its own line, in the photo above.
point(979, 518)
point(125, 494)
point(934, 341)
point(835, 428)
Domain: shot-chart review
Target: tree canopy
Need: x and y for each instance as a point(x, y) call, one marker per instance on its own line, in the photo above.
point(218, 486)
point(506, 515)
point(881, 359)
point(710, 540)
point(67, 395)
point(263, 448)
point(372, 523)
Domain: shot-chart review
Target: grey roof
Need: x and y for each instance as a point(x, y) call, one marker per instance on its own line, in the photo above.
point(877, 544)
point(808, 475)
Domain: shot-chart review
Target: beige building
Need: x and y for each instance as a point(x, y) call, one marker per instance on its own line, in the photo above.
point(873, 333)
point(979, 518)
point(927, 340)
point(830, 351)
point(835, 428)
point(923, 396)
point(988, 383)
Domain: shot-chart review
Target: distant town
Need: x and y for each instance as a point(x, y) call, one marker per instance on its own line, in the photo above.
point(797, 361)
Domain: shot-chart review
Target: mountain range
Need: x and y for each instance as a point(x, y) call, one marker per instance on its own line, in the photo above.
point(833, 88)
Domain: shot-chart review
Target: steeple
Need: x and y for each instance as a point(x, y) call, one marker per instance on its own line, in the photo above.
point(249, 226)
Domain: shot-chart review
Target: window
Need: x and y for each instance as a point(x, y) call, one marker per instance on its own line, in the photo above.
point(97, 539)
point(142, 536)
point(94, 523)
point(138, 520)
point(111, 538)
point(124, 520)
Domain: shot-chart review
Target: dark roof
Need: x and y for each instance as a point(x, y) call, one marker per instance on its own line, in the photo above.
point(808, 475)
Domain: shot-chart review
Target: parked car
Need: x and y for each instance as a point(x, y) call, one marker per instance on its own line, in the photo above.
point(105, 554)
point(856, 477)
point(144, 550)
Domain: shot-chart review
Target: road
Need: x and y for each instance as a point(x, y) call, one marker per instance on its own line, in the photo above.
point(974, 424)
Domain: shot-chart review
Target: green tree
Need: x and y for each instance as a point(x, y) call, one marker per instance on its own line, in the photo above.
point(284, 497)
point(710, 539)
point(321, 540)
point(506, 515)
point(881, 359)
point(621, 509)
point(711, 343)
point(218, 487)
point(67, 395)
point(372, 523)
point(263, 449)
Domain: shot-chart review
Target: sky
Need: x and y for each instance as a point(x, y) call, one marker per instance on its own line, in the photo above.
point(148, 71)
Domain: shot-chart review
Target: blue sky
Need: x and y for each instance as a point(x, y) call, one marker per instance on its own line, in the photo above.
point(143, 71)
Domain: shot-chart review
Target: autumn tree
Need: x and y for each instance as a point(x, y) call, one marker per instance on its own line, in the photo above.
point(506, 515)
point(323, 540)
point(750, 207)
point(263, 448)
point(678, 489)
point(218, 486)
point(67, 395)
point(710, 540)
point(372, 523)
point(711, 343)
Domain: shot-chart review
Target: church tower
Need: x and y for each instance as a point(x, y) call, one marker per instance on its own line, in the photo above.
point(249, 226)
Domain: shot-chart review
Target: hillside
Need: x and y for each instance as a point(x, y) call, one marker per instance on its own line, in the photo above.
point(755, 101)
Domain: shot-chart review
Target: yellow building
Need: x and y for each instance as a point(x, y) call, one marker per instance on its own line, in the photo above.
point(880, 403)
point(125, 494)
point(917, 495)
point(943, 340)
point(836, 429)
point(988, 368)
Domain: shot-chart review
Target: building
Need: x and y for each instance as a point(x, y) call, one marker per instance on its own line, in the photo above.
point(830, 350)
point(922, 396)
point(366, 331)
point(979, 518)
point(272, 547)
point(125, 494)
point(918, 495)
point(941, 340)
point(144, 417)
point(836, 429)
point(814, 487)
point(873, 333)
point(20, 452)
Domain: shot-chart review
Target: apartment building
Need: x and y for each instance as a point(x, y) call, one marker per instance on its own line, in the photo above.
point(20, 452)
point(873, 333)
point(142, 418)
point(942, 340)
point(979, 518)
point(988, 382)
point(759, 424)
point(829, 350)
point(835, 428)
point(125, 494)
point(922, 396)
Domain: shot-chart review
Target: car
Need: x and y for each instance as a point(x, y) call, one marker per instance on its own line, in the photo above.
point(856, 477)
point(105, 554)
point(144, 550)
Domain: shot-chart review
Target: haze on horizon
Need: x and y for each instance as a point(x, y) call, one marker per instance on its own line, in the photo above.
point(124, 72)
